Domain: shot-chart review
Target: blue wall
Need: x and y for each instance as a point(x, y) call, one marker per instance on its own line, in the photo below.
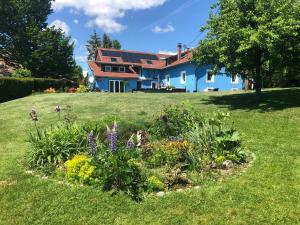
point(195, 79)
point(175, 72)
point(102, 84)
point(150, 75)
point(221, 80)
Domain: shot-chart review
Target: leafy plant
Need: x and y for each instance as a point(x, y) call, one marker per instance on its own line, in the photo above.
point(82, 89)
point(22, 73)
point(80, 169)
point(155, 184)
point(56, 144)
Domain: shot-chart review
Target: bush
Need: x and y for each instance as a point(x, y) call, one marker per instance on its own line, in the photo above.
point(50, 90)
point(174, 121)
point(21, 73)
point(155, 184)
point(82, 89)
point(79, 169)
point(123, 171)
point(13, 88)
point(55, 145)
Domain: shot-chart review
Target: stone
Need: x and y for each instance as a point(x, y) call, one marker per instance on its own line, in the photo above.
point(227, 164)
point(160, 194)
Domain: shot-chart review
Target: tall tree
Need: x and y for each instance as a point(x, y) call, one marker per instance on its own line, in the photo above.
point(53, 56)
point(26, 40)
point(116, 44)
point(106, 42)
point(93, 44)
point(246, 36)
point(20, 22)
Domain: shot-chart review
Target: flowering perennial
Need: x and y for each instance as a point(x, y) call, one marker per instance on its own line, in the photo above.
point(91, 141)
point(112, 137)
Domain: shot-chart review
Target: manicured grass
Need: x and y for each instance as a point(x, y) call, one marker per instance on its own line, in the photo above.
point(267, 193)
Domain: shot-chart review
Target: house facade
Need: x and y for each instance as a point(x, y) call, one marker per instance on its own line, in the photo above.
point(123, 71)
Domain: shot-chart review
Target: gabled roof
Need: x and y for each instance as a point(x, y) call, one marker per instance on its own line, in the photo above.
point(129, 58)
point(99, 73)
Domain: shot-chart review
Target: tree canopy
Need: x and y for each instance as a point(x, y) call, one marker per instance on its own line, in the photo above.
point(254, 38)
point(26, 40)
point(96, 42)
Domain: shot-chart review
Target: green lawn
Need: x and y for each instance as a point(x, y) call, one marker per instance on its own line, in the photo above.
point(267, 193)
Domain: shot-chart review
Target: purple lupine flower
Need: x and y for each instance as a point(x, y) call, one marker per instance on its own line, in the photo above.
point(91, 142)
point(112, 137)
point(33, 115)
point(130, 143)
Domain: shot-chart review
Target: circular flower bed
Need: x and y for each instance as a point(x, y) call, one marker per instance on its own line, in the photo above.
point(178, 149)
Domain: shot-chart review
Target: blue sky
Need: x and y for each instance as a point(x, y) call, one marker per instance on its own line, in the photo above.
point(143, 25)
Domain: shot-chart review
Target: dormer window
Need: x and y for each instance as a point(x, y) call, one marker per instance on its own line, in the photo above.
point(107, 68)
point(122, 69)
point(113, 59)
point(149, 62)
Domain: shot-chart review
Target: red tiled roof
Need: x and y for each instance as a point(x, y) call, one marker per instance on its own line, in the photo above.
point(158, 62)
point(99, 73)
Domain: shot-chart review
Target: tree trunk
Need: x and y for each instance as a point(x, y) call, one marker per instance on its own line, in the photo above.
point(258, 78)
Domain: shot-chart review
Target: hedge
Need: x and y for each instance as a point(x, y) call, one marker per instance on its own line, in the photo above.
point(12, 88)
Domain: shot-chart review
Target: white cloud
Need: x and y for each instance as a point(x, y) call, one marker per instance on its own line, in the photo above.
point(167, 52)
point(105, 13)
point(58, 24)
point(167, 29)
point(76, 21)
point(81, 58)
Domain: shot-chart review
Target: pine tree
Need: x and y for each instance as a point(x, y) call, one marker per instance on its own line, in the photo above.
point(116, 44)
point(93, 44)
point(106, 42)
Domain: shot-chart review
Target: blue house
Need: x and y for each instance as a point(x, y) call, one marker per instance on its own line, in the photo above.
point(123, 71)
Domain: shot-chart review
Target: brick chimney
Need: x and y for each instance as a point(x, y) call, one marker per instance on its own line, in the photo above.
point(179, 51)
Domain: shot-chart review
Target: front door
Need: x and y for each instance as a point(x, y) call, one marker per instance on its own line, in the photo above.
point(154, 85)
point(116, 86)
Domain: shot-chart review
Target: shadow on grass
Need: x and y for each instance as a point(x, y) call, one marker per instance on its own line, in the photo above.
point(272, 100)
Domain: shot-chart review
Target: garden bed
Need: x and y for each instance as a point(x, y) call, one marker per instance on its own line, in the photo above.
point(179, 149)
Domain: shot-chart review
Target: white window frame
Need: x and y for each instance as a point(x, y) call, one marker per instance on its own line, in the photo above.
point(122, 71)
point(154, 82)
point(167, 77)
point(106, 68)
point(114, 81)
point(181, 77)
point(212, 77)
point(236, 79)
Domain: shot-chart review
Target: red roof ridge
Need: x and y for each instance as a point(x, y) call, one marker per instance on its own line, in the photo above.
point(134, 51)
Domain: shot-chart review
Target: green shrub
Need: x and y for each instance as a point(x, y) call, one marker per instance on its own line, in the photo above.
point(123, 171)
point(21, 73)
point(174, 121)
point(12, 88)
point(82, 89)
point(155, 184)
point(80, 169)
point(55, 145)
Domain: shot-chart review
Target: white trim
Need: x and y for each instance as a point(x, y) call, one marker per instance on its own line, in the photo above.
point(236, 79)
point(167, 77)
point(114, 81)
point(123, 67)
point(181, 77)
point(212, 77)
point(154, 82)
point(106, 68)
